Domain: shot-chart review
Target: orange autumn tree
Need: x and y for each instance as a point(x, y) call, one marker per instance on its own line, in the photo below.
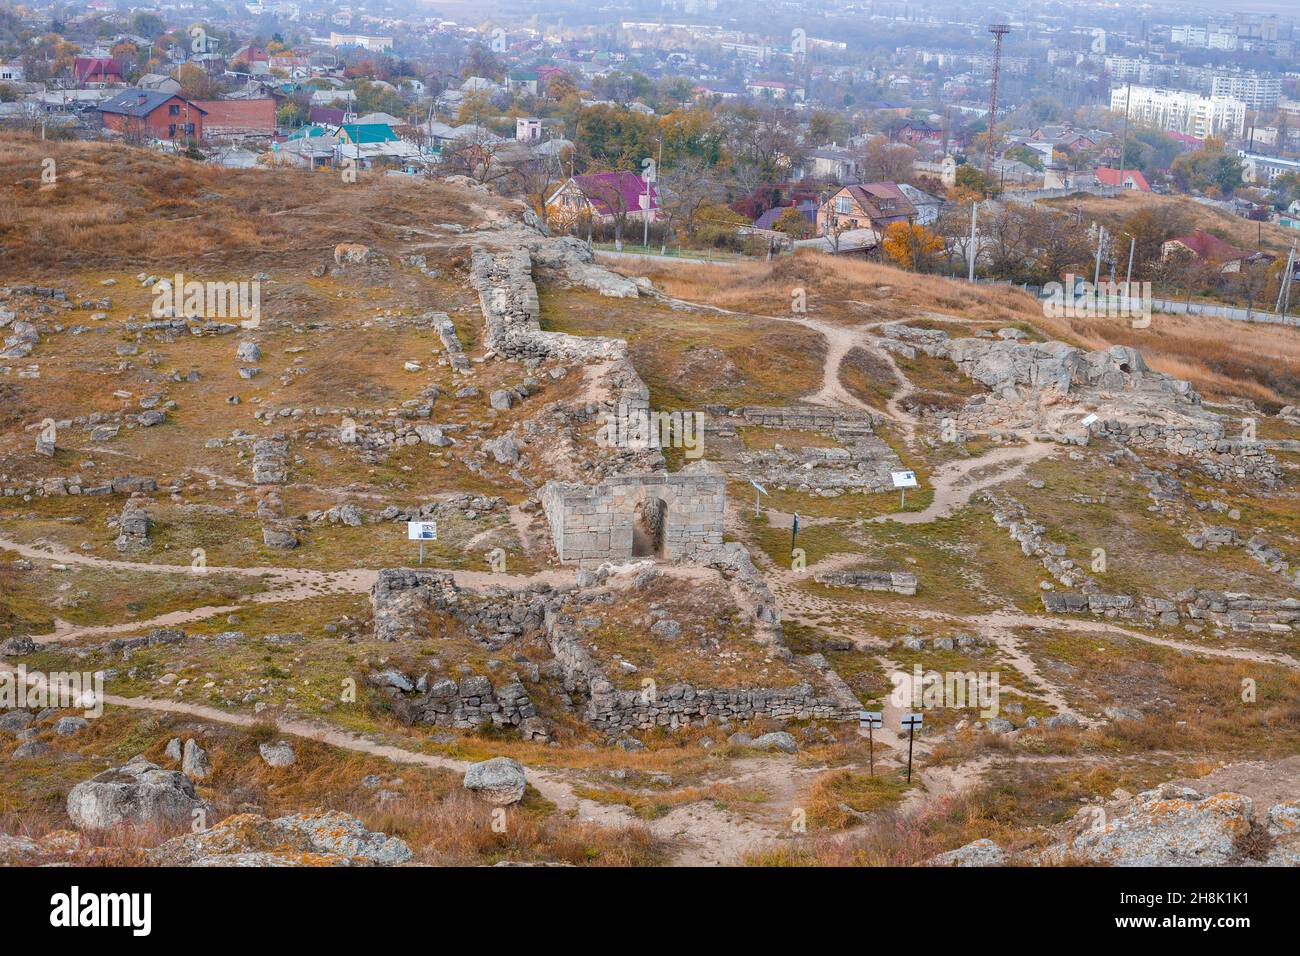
point(910, 244)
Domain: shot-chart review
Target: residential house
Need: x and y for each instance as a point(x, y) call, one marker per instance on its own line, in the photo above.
point(604, 196)
point(158, 81)
point(11, 72)
point(776, 90)
point(867, 206)
point(927, 206)
point(833, 164)
point(237, 119)
point(361, 133)
point(1131, 178)
point(98, 70)
point(918, 133)
point(1212, 250)
point(524, 81)
point(806, 208)
point(144, 114)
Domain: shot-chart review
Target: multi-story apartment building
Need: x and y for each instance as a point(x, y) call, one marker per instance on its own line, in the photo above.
point(1258, 91)
point(1181, 111)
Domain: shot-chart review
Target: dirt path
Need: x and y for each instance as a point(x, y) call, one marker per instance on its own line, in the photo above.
point(956, 482)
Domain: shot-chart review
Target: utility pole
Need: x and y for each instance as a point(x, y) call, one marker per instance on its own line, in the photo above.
point(971, 252)
point(999, 30)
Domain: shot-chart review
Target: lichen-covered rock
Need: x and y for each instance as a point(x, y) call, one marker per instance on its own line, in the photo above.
point(194, 761)
point(1167, 826)
point(277, 754)
point(304, 839)
point(500, 781)
point(138, 793)
point(978, 853)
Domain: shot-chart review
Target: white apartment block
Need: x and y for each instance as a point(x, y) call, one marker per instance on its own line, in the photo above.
point(1258, 91)
point(356, 39)
point(1262, 170)
point(1181, 111)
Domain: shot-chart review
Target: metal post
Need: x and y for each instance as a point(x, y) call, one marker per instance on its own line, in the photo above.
point(1128, 276)
point(422, 551)
point(1096, 272)
point(871, 745)
point(911, 735)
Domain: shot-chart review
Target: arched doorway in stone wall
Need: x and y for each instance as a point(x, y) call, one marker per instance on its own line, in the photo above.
point(648, 528)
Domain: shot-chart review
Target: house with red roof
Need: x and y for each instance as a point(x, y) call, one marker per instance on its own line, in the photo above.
point(1127, 178)
point(98, 71)
point(604, 196)
point(1210, 249)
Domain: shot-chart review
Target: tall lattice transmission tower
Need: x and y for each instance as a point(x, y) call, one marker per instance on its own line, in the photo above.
point(999, 30)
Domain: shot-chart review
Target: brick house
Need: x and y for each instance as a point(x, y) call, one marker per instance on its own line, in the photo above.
point(868, 206)
point(153, 114)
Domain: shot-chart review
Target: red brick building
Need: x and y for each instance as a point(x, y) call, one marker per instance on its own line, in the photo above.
point(153, 114)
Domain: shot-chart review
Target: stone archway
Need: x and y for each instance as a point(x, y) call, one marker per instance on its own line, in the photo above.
point(648, 525)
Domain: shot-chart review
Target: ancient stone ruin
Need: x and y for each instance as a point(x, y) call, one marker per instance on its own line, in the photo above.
point(668, 516)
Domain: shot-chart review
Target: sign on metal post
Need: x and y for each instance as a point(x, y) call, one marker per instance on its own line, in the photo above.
point(422, 531)
point(758, 490)
point(911, 722)
point(1089, 420)
point(871, 720)
point(902, 481)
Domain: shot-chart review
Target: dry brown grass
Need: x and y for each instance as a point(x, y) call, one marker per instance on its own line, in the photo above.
point(841, 290)
point(118, 207)
point(1220, 357)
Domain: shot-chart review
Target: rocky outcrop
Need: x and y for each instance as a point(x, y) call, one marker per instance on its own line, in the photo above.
point(303, 839)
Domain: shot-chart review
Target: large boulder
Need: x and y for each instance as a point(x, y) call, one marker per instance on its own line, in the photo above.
point(499, 781)
point(138, 793)
point(305, 839)
point(778, 740)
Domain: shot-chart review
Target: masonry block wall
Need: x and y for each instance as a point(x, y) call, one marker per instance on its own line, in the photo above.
point(596, 523)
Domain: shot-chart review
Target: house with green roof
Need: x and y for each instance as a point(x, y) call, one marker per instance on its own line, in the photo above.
point(361, 133)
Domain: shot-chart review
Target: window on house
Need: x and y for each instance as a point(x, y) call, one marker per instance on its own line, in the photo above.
point(171, 129)
point(843, 204)
point(174, 110)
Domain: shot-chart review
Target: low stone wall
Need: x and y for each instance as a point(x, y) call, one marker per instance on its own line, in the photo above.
point(51, 487)
point(808, 418)
point(402, 600)
point(612, 710)
point(468, 703)
point(898, 582)
point(1242, 612)
point(1220, 458)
